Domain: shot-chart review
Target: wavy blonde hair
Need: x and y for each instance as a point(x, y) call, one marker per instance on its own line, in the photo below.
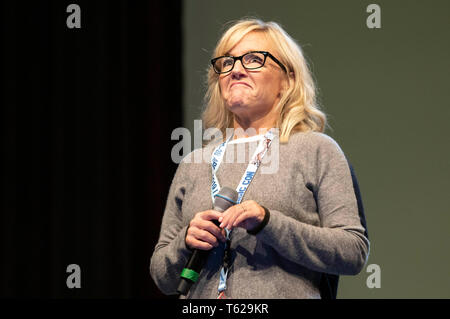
point(297, 109)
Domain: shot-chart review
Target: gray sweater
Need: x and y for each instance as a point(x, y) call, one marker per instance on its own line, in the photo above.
point(314, 226)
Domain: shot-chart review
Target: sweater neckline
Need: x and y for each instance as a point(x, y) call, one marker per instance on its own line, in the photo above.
point(247, 139)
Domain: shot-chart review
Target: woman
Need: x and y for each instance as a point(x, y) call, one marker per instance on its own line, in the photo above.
point(291, 228)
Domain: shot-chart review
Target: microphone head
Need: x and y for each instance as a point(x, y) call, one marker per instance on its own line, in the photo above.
point(226, 198)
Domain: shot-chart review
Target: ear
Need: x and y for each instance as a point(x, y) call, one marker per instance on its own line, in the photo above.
point(286, 82)
point(291, 76)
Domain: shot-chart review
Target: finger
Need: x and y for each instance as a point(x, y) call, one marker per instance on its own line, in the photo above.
point(210, 215)
point(197, 244)
point(201, 221)
point(205, 236)
point(204, 246)
point(231, 217)
point(212, 228)
point(226, 215)
point(242, 219)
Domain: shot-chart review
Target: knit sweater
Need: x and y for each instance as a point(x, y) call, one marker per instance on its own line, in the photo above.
point(314, 226)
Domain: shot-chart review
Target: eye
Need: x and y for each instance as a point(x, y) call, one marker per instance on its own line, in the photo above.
point(254, 59)
point(227, 62)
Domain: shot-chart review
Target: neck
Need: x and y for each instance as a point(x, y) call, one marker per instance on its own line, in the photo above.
point(246, 128)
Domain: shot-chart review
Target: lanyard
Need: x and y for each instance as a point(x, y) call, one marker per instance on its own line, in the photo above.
point(216, 160)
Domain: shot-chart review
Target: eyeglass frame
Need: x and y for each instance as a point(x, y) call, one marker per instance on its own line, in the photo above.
point(235, 58)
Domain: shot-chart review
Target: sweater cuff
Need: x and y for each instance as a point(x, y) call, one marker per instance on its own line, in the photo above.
point(263, 224)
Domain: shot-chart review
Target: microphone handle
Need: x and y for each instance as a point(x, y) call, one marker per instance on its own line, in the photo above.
point(193, 268)
point(195, 264)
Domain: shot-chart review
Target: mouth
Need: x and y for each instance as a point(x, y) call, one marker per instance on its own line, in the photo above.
point(239, 83)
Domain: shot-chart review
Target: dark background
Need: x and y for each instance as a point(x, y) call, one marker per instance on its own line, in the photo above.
point(86, 121)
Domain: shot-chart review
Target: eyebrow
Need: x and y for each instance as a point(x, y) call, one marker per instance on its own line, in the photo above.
point(228, 53)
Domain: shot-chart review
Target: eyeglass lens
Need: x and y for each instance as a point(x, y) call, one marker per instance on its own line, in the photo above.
point(252, 60)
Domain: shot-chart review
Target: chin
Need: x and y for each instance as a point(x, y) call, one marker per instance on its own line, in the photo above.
point(236, 108)
point(236, 101)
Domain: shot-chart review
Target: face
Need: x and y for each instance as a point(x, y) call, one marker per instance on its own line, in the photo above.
point(252, 94)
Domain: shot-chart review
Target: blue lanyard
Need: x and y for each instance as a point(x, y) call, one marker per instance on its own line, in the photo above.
point(216, 160)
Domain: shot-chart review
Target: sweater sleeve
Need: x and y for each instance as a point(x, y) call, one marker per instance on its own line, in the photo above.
point(171, 253)
point(339, 245)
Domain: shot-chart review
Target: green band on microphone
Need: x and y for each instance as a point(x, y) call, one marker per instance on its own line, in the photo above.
point(190, 274)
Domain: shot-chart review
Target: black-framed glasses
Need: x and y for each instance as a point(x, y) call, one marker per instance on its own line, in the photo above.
point(250, 61)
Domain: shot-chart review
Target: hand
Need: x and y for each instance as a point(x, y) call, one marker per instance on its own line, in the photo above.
point(202, 233)
point(248, 215)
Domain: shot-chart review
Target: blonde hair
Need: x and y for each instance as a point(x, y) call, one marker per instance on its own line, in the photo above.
point(297, 109)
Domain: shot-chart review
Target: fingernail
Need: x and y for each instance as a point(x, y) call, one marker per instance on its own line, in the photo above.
point(221, 225)
point(220, 219)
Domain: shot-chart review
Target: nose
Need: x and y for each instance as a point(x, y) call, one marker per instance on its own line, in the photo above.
point(238, 70)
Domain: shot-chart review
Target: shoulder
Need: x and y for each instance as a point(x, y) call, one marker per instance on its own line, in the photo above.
point(314, 141)
point(196, 163)
point(199, 155)
point(319, 155)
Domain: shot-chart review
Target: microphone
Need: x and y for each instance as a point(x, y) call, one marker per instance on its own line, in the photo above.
point(226, 198)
